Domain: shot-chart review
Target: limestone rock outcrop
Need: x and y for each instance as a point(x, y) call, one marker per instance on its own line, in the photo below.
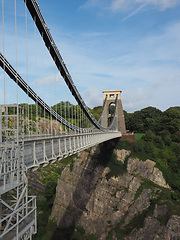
point(36, 185)
point(152, 229)
point(122, 154)
point(85, 196)
point(146, 169)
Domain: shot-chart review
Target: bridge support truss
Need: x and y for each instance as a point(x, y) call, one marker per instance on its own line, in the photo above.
point(17, 209)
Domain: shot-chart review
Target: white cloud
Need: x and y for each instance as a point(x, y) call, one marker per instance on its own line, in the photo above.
point(117, 5)
point(92, 3)
point(165, 81)
point(162, 4)
point(47, 80)
point(121, 5)
point(93, 97)
point(135, 98)
point(161, 93)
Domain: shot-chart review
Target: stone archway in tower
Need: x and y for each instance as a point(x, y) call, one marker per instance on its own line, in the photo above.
point(111, 112)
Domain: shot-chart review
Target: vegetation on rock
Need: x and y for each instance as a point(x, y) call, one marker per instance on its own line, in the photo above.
point(165, 153)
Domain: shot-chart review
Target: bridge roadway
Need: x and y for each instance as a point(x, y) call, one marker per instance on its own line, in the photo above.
point(43, 149)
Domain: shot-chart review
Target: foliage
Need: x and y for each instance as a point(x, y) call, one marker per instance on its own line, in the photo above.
point(68, 160)
point(171, 119)
point(96, 111)
point(112, 108)
point(67, 110)
point(139, 135)
point(124, 145)
point(160, 196)
point(66, 233)
point(51, 183)
point(160, 149)
point(105, 153)
point(44, 205)
point(163, 151)
point(117, 167)
point(153, 119)
point(42, 220)
point(71, 165)
point(141, 121)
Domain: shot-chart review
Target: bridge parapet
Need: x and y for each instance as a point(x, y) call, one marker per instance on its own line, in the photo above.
point(44, 149)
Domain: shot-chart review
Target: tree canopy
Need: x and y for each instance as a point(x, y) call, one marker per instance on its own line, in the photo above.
point(155, 120)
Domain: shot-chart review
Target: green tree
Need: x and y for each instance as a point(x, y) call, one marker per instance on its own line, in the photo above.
point(171, 120)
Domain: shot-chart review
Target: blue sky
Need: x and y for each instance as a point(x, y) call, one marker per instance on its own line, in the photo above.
point(128, 45)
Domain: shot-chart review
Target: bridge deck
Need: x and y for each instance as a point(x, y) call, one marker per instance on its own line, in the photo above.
point(41, 150)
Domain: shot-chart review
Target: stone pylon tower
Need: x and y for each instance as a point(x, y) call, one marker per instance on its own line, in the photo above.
point(111, 98)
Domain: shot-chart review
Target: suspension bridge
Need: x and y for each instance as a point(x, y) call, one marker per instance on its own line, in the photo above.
point(33, 132)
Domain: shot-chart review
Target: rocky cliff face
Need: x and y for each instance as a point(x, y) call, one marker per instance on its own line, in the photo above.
point(121, 207)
